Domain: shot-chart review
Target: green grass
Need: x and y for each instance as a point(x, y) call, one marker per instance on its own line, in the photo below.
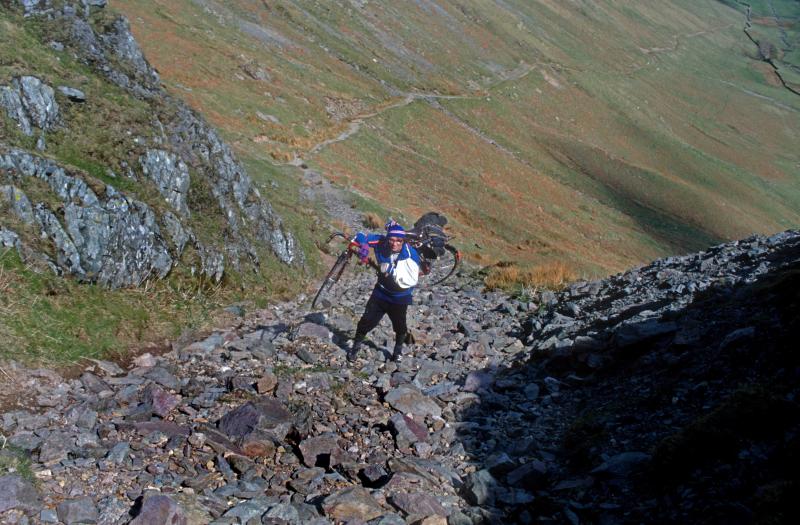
point(15, 461)
point(59, 320)
point(56, 321)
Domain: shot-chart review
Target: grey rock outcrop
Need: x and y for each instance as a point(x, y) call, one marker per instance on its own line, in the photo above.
point(36, 261)
point(170, 175)
point(93, 239)
point(212, 262)
point(35, 7)
point(196, 144)
point(9, 239)
point(18, 202)
point(199, 146)
point(177, 233)
point(111, 240)
point(11, 101)
point(74, 94)
point(31, 104)
point(67, 256)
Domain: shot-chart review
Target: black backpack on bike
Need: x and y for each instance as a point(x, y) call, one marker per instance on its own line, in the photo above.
point(431, 226)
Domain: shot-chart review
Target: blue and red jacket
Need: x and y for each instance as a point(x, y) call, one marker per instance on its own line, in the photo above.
point(399, 271)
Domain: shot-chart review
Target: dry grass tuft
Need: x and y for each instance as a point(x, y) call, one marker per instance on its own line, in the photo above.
point(7, 279)
point(341, 226)
point(281, 156)
point(372, 221)
point(552, 275)
point(7, 306)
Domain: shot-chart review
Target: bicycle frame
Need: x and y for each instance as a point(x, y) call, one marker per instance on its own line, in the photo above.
point(431, 239)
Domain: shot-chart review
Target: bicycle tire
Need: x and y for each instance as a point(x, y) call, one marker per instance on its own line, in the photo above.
point(442, 268)
point(331, 278)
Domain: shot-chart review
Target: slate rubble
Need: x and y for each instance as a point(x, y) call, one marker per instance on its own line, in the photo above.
point(243, 427)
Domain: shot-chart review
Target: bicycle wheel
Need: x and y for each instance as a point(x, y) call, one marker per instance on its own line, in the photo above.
point(442, 267)
point(326, 292)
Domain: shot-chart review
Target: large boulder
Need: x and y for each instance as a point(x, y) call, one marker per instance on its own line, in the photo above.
point(16, 493)
point(352, 504)
point(409, 400)
point(322, 449)
point(80, 510)
point(257, 425)
point(159, 510)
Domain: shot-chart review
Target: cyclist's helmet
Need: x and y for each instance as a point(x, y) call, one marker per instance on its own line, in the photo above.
point(395, 230)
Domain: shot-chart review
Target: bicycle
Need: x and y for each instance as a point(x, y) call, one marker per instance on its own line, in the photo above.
point(439, 260)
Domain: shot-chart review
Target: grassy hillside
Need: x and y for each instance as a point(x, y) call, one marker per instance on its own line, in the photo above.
point(603, 134)
point(51, 319)
point(590, 136)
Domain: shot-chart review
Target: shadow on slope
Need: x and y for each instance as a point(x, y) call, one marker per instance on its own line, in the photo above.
point(695, 423)
point(669, 212)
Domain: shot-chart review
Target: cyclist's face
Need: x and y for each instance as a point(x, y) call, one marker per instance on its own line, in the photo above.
point(396, 244)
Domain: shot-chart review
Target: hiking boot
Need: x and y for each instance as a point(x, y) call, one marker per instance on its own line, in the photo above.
point(355, 346)
point(397, 354)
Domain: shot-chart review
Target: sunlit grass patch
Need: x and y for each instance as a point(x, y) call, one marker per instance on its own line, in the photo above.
point(372, 221)
point(52, 320)
point(552, 275)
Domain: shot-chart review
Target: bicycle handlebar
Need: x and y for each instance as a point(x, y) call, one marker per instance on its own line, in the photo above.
point(413, 237)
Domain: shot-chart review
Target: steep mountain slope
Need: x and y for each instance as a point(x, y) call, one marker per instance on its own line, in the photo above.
point(595, 136)
point(615, 132)
point(107, 179)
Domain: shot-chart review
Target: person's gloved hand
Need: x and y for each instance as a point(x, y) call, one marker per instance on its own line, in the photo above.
point(425, 267)
point(363, 253)
point(385, 267)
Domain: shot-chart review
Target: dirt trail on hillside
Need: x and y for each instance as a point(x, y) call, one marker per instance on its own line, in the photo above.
point(522, 71)
point(676, 44)
point(354, 125)
point(336, 201)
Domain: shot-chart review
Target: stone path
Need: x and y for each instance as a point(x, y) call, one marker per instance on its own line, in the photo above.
point(505, 411)
point(269, 419)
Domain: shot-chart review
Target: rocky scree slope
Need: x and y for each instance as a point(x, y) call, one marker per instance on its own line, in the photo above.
point(167, 192)
point(667, 393)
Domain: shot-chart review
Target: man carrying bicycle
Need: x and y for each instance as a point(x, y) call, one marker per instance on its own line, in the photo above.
point(398, 274)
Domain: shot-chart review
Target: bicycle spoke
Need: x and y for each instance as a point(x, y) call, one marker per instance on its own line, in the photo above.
point(442, 267)
point(327, 291)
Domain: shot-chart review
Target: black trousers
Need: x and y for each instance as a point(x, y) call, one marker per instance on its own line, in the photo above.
point(374, 312)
